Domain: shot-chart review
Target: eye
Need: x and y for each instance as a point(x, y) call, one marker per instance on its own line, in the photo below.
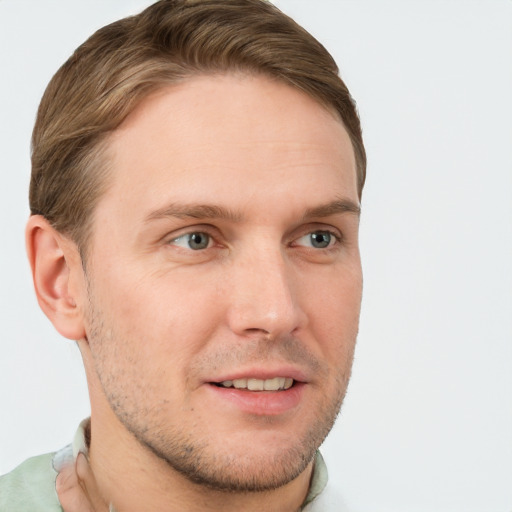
point(318, 239)
point(195, 241)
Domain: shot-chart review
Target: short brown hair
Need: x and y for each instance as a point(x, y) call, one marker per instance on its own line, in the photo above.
point(122, 63)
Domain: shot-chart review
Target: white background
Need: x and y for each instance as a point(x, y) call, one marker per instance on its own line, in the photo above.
point(427, 423)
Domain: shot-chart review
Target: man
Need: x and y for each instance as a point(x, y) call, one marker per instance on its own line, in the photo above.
point(196, 178)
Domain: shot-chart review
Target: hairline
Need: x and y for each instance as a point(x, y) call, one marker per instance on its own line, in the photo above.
point(102, 157)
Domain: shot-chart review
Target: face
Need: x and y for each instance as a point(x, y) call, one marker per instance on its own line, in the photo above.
point(224, 278)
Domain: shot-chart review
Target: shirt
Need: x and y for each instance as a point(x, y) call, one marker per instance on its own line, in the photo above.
point(31, 486)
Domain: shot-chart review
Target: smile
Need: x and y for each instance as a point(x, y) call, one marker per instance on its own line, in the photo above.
point(274, 384)
point(268, 395)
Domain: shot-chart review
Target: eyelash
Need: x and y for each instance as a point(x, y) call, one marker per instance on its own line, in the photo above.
point(195, 232)
point(338, 238)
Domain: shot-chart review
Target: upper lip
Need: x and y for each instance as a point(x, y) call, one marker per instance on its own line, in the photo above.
point(262, 374)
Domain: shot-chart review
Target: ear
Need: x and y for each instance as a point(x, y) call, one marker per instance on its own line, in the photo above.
point(58, 276)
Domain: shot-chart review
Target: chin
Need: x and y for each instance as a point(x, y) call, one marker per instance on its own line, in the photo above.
point(246, 461)
point(242, 470)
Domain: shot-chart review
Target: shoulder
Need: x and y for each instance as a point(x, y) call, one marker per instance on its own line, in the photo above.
point(323, 495)
point(329, 500)
point(30, 487)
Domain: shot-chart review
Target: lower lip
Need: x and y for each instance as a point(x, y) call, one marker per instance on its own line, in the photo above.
point(262, 403)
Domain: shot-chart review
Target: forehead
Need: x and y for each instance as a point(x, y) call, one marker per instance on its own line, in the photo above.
point(227, 137)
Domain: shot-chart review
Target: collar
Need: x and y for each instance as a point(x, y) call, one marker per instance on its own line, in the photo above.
point(82, 440)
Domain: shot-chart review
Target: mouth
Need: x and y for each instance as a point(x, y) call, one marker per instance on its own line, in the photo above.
point(260, 397)
point(260, 391)
point(253, 384)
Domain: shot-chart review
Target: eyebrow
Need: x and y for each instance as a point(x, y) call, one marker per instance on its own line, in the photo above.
point(212, 211)
point(333, 208)
point(195, 211)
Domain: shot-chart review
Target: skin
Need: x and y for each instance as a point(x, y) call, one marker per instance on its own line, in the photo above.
point(159, 322)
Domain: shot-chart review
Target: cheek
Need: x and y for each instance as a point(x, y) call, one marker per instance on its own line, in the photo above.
point(333, 311)
point(144, 338)
point(159, 316)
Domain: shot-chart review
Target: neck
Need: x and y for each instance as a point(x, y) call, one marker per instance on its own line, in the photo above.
point(132, 478)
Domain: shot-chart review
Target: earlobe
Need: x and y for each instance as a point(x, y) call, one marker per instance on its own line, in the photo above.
point(56, 273)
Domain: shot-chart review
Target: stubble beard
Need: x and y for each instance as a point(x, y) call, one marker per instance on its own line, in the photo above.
point(189, 452)
point(234, 472)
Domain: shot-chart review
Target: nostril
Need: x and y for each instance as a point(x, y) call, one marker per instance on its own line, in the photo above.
point(255, 330)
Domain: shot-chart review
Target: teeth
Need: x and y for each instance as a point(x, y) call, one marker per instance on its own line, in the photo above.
point(255, 384)
point(275, 384)
point(239, 383)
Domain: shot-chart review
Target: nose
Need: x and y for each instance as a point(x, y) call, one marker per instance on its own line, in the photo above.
point(264, 296)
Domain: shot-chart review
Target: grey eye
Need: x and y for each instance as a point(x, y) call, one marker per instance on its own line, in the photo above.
point(198, 241)
point(317, 240)
point(320, 239)
point(195, 241)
